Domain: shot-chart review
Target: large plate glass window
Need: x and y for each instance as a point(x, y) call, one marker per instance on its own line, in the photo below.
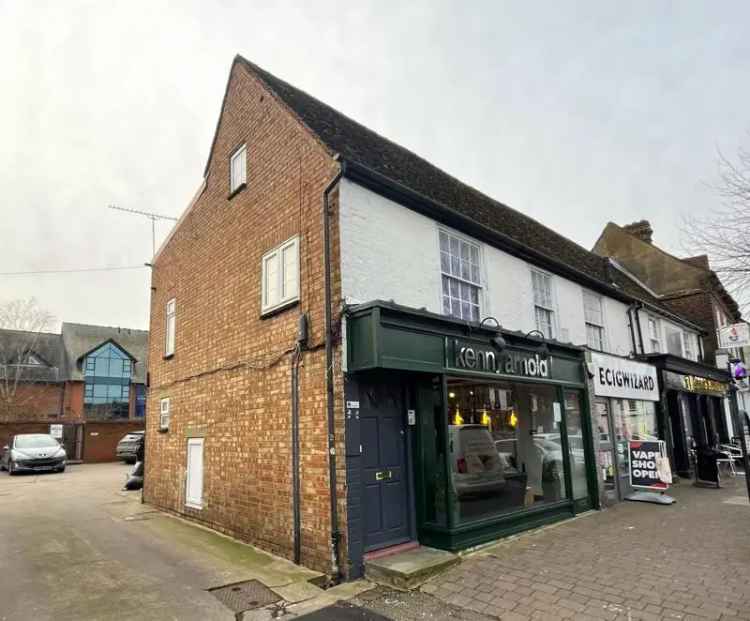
point(459, 266)
point(280, 274)
point(505, 448)
point(544, 309)
point(237, 168)
point(106, 389)
point(576, 449)
point(592, 308)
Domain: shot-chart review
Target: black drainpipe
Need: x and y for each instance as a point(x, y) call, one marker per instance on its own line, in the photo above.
point(296, 356)
point(335, 534)
point(638, 307)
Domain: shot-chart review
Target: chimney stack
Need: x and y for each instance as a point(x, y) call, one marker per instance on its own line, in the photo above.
point(641, 229)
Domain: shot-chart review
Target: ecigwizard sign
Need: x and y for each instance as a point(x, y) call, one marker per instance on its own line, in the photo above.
point(624, 379)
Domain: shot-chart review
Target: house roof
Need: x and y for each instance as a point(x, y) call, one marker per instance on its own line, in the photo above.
point(63, 353)
point(14, 344)
point(357, 144)
point(664, 283)
point(81, 339)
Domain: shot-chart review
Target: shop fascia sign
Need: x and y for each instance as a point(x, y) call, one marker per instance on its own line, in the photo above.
point(475, 357)
point(734, 335)
point(624, 379)
point(695, 383)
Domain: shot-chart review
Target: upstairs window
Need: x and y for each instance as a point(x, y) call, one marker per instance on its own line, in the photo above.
point(544, 309)
point(169, 332)
point(653, 335)
point(690, 345)
point(237, 169)
point(164, 414)
point(106, 390)
point(280, 274)
point(674, 341)
point(592, 310)
point(459, 267)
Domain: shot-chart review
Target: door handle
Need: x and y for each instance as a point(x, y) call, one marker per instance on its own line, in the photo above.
point(383, 475)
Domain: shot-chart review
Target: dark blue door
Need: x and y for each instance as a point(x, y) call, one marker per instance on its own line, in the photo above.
point(385, 478)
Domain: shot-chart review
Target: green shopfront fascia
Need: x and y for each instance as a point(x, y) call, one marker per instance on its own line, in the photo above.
point(456, 434)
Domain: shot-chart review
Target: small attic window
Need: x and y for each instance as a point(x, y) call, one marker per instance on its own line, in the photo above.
point(237, 169)
point(31, 360)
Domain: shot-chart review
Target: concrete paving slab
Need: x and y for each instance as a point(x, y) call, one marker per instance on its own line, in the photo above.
point(409, 569)
point(73, 547)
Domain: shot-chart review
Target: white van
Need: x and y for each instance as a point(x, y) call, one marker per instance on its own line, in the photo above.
point(475, 464)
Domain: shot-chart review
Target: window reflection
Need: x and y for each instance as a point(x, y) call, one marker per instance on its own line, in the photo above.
point(505, 447)
point(107, 372)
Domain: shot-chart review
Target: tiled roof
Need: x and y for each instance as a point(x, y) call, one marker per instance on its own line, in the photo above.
point(356, 143)
point(80, 339)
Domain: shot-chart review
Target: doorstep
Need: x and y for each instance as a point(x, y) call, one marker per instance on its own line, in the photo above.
point(409, 569)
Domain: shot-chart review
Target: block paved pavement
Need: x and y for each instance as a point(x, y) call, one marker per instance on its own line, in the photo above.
point(688, 561)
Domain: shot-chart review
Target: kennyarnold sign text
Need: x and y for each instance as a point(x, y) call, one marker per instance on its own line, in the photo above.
point(509, 362)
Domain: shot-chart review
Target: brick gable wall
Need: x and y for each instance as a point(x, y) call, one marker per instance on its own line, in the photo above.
point(229, 379)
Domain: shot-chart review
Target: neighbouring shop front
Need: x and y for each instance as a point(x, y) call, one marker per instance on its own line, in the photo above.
point(626, 393)
point(457, 435)
point(692, 405)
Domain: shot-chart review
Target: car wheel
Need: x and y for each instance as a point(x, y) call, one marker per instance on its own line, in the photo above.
point(62, 469)
point(11, 471)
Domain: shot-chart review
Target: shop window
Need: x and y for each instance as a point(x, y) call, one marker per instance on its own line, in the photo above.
point(237, 169)
point(592, 309)
point(544, 309)
point(653, 335)
point(633, 420)
point(280, 276)
point(576, 449)
point(505, 448)
point(459, 266)
point(170, 327)
point(106, 389)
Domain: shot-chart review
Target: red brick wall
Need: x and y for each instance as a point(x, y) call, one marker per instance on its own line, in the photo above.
point(73, 403)
point(33, 401)
point(100, 439)
point(229, 379)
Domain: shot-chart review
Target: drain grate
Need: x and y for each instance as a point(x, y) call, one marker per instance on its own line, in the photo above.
point(245, 596)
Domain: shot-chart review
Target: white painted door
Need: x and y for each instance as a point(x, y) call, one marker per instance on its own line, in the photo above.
point(194, 482)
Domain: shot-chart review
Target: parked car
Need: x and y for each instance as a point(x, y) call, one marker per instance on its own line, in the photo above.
point(128, 446)
point(477, 468)
point(33, 452)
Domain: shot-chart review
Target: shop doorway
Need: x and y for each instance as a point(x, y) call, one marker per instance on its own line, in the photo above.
point(386, 493)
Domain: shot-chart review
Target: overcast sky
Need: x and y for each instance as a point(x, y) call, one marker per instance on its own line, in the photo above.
point(575, 113)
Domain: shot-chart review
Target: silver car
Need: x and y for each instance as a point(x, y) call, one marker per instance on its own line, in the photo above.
point(33, 452)
point(127, 447)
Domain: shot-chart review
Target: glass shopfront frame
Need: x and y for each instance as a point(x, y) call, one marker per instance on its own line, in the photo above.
point(551, 475)
point(498, 456)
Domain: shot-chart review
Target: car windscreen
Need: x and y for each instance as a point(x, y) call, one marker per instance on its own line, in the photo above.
point(38, 441)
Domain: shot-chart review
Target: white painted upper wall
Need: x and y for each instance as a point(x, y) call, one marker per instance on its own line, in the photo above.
point(390, 252)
